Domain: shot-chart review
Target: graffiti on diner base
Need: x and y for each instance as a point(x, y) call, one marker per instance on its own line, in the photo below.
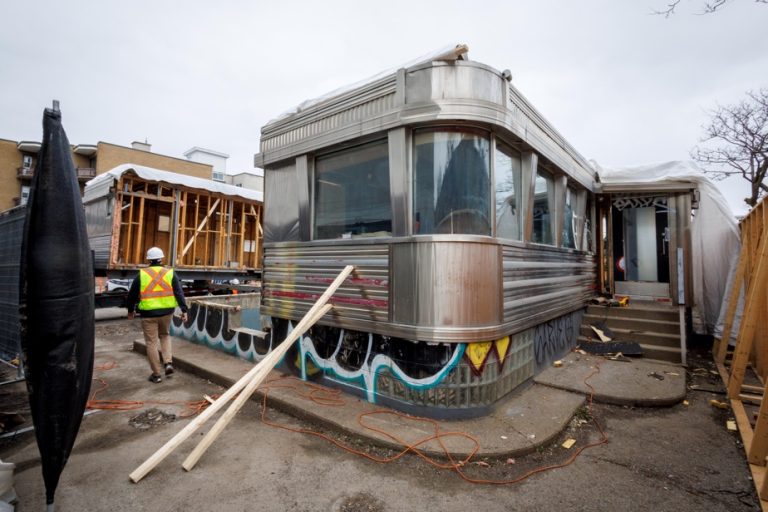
point(555, 338)
point(366, 360)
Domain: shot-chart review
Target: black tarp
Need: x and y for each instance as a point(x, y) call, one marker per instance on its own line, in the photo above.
point(56, 302)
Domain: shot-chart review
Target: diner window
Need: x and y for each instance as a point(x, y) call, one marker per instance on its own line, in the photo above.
point(569, 218)
point(451, 183)
point(543, 206)
point(508, 193)
point(351, 189)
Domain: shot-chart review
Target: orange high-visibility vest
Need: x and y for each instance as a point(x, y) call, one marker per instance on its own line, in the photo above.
point(156, 290)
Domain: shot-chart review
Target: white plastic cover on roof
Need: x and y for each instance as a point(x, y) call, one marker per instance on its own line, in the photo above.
point(714, 231)
point(449, 52)
point(173, 178)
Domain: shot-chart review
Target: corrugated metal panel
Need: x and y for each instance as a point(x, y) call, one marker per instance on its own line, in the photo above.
point(11, 234)
point(541, 283)
point(295, 277)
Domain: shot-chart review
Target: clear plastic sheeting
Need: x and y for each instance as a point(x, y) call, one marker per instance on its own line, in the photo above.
point(714, 232)
point(446, 53)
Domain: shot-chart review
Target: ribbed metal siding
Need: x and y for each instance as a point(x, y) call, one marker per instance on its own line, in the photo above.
point(295, 277)
point(544, 283)
point(11, 234)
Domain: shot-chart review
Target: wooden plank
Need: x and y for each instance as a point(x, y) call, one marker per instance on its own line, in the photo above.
point(194, 234)
point(733, 302)
point(126, 253)
point(137, 258)
point(153, 197)
point(267, 365)
point(182, 228)
point(313, 315)
point(200, 227)
point(240, 261)
point(192, 426)
point(749, 322)
point(758, 449)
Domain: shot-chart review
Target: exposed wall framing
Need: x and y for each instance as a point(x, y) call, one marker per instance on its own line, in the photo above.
point(203, 230)
point(749, 358)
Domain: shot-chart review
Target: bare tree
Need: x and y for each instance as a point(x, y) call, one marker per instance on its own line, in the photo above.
point(735, 142)
point(708, 7)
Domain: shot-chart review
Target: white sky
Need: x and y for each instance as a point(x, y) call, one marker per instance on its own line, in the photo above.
point(623, 86)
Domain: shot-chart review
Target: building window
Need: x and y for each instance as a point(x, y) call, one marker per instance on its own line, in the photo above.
point(218, 176)
point(451, 183)
point(26, 161)
point(24, 195)
point(351, 192)
point(543, 206)
point(569, 219)
point(508, 192)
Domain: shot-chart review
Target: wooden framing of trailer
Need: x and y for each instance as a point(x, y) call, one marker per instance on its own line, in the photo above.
point(205, 228)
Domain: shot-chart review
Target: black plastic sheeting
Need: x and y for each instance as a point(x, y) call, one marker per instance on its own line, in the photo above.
point(56, 302)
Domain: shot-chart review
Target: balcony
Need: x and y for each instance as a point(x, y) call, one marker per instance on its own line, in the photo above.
point(25, 173)
point(85, 173)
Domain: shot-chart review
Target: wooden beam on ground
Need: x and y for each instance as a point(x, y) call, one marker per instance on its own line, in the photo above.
point(266, 366)
point(193, 425)
point(268, 363)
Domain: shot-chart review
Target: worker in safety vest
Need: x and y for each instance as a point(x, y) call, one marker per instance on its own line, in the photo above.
point(157, 292)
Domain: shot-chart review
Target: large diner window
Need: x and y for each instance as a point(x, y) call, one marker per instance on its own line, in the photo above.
point(351, 193)
point(543, 206)
point(451, 182)
point(508, 192)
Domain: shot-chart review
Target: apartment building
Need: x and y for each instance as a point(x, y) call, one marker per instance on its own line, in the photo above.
point(17, 164)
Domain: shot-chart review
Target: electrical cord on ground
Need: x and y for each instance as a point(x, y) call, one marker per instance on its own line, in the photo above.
point(190, 408)
point(325, 396)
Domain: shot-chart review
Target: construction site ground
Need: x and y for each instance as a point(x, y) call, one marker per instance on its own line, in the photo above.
point(667, 447)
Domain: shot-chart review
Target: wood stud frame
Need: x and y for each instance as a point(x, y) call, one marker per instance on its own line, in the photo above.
point(751, 349)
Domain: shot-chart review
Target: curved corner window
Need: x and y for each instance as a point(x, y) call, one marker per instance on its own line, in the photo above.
point(543, 206)
point(351, 189)
point(451, 183)
point(508, 193)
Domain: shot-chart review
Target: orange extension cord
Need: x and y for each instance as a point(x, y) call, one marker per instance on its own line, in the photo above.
point(190, 408)
point(331, 397)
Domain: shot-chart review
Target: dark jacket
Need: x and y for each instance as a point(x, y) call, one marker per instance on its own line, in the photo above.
point(133, 299)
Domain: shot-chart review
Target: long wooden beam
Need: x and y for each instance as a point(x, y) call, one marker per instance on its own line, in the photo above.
point(193, 425)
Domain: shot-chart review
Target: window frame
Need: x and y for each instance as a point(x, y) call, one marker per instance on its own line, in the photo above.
point(313, 179)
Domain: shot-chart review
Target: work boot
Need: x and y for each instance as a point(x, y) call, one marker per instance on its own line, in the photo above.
point(168, 369)
point(155, 379)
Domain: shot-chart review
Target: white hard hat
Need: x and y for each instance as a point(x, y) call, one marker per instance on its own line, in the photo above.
point(155, 253)
point(235, 281)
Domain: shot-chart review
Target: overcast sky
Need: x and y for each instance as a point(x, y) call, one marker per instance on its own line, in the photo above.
point(625, 87)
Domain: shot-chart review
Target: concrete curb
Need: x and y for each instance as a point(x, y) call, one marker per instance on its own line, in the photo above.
point(529, 418)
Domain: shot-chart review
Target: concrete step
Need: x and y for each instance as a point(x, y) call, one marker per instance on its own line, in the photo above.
point(647, 310)
point(653, 338)
point(635, 324)
point(653, 352)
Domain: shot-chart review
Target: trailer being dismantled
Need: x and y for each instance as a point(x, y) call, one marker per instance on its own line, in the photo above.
point(209, 230)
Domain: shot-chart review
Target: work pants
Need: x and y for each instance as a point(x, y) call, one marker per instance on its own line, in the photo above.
point(157, 329)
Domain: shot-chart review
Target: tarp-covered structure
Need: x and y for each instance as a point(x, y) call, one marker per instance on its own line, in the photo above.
point(714, 231)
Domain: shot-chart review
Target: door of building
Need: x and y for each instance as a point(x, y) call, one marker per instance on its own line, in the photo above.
point(641, 246)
